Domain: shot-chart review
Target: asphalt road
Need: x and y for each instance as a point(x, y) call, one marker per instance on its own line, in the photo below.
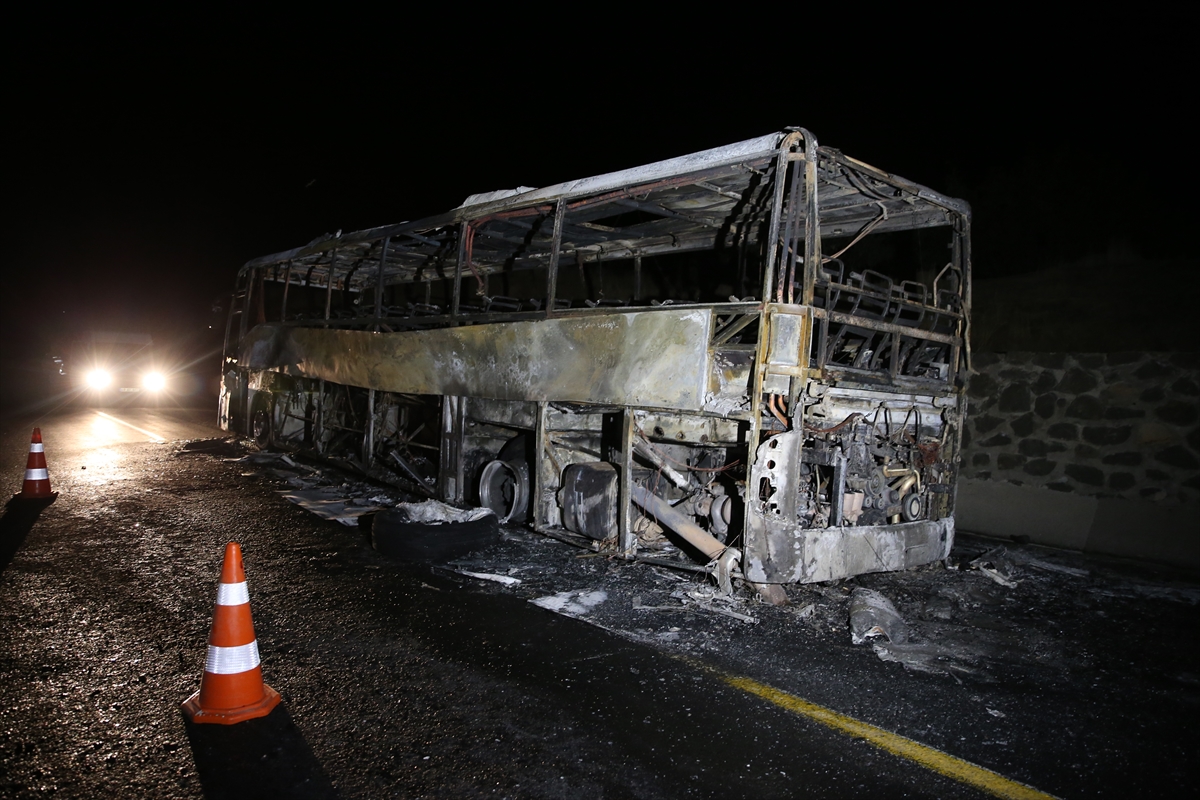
point(402, 681)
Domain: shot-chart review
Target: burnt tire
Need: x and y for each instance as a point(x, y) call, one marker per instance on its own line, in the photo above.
point(262, 423)
point(394, 536)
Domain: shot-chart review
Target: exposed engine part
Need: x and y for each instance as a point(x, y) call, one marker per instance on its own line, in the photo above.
point(720, 514)
point(910, 507)
point(727, 562)
point(852, 506)
point(694, 535)
point(643, 449)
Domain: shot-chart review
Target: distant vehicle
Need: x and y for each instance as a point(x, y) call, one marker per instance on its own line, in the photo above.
point(107, 367)
point(757, 351)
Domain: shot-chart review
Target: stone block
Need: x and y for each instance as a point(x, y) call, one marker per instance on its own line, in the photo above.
point(1120, 481)
point(1178, 456)
point(979, 405)
point(1085, 474)
point(1154, 434)
point(1063, 431)
point(1153, 369)
point(985, 423)
point(1014, 375)
point(1120, 393)
point(1023, 425)
point(1177, 413)
point(1040, 467)
point(1077, 381)
point(1154, 394)
point(1106, 436)
point(1031, 447)
point(1045, 405)
point(1045, 382)
point(1186, 386)
point(999, 440)
point(1015, 399)
point(1009, 460)
point(982, 385)
point(1123, 459)
point(1085, 407)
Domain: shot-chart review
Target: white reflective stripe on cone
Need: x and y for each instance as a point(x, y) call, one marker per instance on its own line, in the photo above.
point(37, 475)
point(37, 447)
point(231, 660)
point(232, 594)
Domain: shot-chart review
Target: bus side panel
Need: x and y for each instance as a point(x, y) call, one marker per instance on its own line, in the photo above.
point(656, 359)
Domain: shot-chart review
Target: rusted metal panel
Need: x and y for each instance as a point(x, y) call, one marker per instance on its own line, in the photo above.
point(833, 553)
point(773, 551)
point(653, 359)
point(789, 554)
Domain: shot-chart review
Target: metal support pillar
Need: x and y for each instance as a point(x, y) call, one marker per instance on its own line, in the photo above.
point(628, 538)
point(368, 455)
point(542, 481)
point(450, 467)
point(560, 210)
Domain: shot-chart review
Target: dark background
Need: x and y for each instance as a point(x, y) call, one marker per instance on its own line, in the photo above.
point(148, 161)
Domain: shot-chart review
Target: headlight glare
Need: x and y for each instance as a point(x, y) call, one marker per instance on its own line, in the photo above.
point(98, 379)
point(154, 381)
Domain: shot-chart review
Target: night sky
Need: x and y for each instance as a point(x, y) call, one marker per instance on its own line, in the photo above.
point(141, 176)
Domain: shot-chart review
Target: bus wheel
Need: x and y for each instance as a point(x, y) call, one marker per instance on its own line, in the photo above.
point(260, 424)
point(504, 483)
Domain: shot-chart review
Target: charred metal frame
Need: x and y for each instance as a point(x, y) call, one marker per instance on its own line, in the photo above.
point(807, 432)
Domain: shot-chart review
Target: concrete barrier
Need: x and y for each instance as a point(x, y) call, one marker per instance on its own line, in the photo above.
point(1164, 533)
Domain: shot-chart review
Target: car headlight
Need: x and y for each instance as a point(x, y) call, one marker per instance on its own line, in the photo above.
point(154, 381)
point(98, 379)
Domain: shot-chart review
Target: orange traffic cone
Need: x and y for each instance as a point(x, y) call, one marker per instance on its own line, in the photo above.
point(232, 688)
point(37, 478)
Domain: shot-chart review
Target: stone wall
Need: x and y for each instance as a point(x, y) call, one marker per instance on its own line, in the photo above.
point(1094, 424)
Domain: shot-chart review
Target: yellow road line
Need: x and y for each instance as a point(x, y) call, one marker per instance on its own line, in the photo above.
point(153, 436)
point(963, 771)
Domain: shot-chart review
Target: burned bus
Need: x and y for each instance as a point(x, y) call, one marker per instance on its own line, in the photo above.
point(751, 358)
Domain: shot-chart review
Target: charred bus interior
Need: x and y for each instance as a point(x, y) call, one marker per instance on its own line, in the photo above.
point(749, 359)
